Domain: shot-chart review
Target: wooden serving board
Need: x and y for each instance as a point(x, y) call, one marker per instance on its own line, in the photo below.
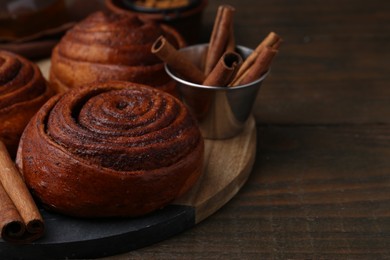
point(227, 166)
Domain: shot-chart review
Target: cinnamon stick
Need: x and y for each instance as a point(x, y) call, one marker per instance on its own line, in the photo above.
point(224, 71)
point(271, 40)
point(178, 61)
point(11, 222)
point(219, 36)
point(20, 219)
point(258, 68)
point(231, 44)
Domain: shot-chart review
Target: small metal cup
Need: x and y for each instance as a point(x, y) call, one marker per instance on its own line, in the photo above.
point(222, 112)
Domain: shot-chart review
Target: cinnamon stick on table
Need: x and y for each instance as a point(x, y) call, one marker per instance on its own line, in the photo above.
point(20, 220)
point(177, 60)
point(221, 36)
point(224, 71)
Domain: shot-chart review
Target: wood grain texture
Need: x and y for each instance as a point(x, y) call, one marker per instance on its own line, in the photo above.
point(320, 186)
point(315, 193)
point(334, 59)
point(227, 166)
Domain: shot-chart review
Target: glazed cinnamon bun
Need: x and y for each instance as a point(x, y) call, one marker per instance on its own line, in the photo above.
point(111, 149)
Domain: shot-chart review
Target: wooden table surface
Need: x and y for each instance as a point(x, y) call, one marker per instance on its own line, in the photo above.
point(320, 186)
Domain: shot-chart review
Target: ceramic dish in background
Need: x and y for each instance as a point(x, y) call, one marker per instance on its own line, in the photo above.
point(32, 28)
point(187, 19)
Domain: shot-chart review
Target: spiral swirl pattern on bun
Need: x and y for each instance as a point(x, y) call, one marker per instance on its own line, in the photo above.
point(111, 149)
point(111, 47)
point(23, 90)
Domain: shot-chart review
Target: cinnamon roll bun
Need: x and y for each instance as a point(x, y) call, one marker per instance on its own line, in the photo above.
point(111, 149)
point(23, 90)
point(106, 47)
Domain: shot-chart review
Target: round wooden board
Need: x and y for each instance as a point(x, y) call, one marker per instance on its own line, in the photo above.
point(227, 166)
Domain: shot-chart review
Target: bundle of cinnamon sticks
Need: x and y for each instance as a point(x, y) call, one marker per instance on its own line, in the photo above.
point(20, 220)
point(223, 66)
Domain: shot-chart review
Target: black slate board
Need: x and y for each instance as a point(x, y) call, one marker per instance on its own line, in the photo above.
point(86, 238)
